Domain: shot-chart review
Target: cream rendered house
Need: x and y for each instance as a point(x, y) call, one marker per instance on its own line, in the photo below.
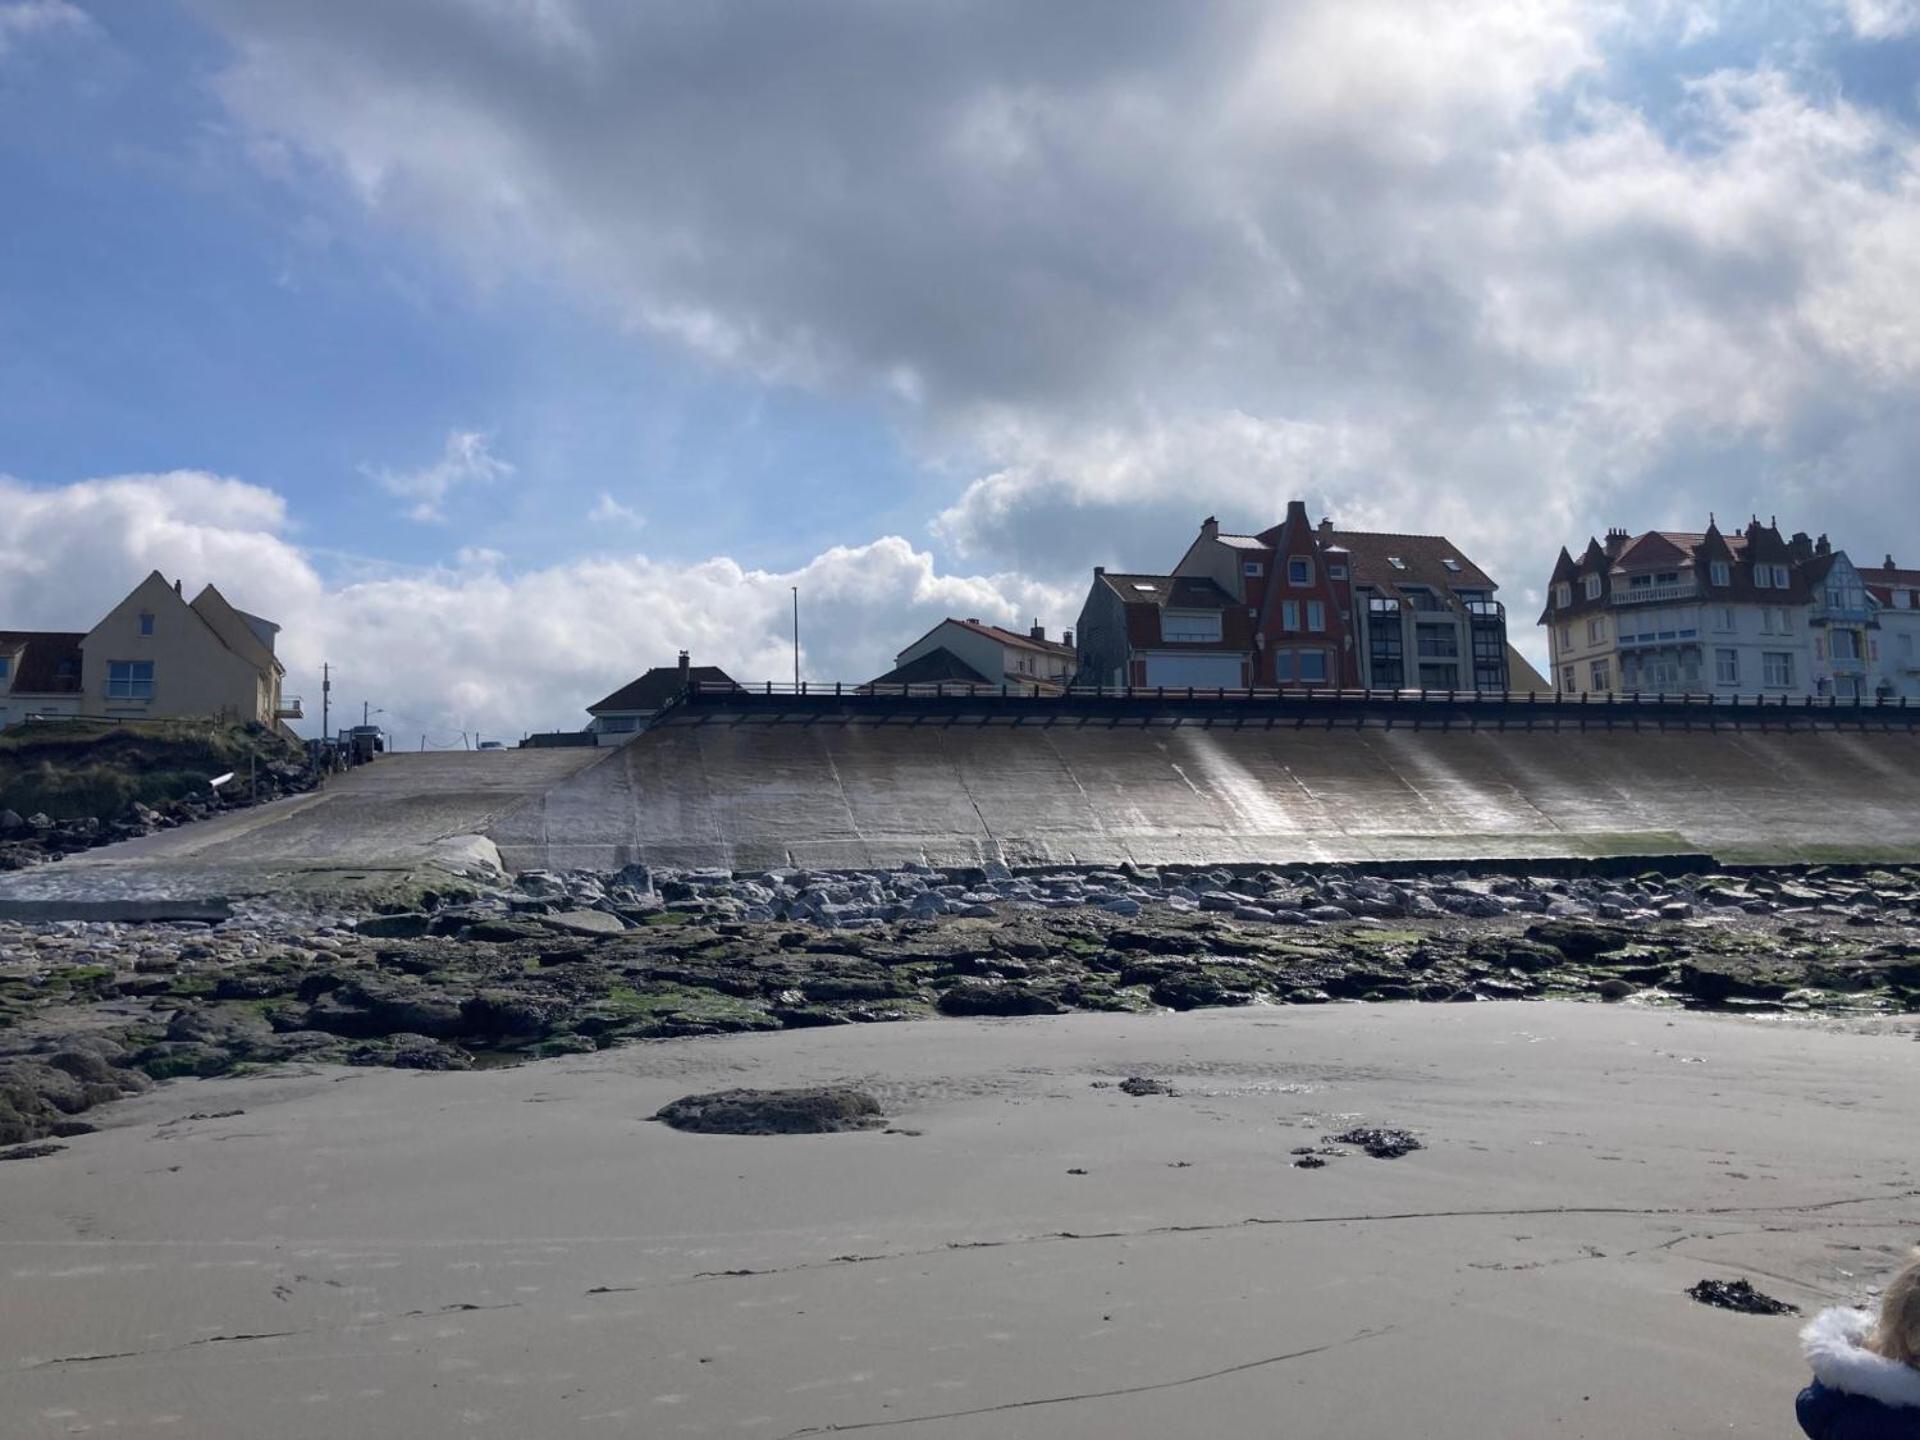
point(155, 654)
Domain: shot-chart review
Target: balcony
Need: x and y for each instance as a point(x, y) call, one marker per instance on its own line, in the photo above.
point(1653, 594)
point(290, 710)
point(1484, 610)
point(1662, 639)
point(1377, 606)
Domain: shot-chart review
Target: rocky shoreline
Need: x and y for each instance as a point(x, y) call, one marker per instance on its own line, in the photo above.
point(552, 965)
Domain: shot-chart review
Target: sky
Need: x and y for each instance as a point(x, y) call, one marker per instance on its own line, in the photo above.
point(500, 349)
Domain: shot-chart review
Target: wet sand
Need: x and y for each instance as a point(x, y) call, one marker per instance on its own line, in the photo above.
point(520, 1253)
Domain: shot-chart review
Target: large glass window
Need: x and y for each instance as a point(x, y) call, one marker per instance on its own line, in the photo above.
point(1846, 645)
point(1598, 673)
point(1386, 656)
point(1437, 642)
point(1777, 666)
point(1313, 665)
point(129, 679)
point(1190, 627)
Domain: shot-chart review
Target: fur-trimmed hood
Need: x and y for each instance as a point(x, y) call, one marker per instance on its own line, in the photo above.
point(1834, 1343)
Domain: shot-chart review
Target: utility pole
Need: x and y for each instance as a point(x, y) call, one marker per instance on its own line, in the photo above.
point(365, 715)
point(326, 695)
point(796, 637)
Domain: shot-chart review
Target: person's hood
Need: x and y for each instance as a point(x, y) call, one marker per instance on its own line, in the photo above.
point(1834, 1342)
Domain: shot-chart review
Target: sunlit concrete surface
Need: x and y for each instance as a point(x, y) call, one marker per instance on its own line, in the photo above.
point(753, 792)
point(390, 819)
point(521, 1253)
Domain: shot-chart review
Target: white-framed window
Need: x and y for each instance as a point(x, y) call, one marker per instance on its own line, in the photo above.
point(1903, 599)
point(1593, 587)
point(1723, 617)
point(1299, 570)
point(1252, 569)
point(1289, 614)
point(1336, 572)
point(1599, 674)
point(1190, 627)
point(1316, 615)
point(1596, 629)
point(129, 679)
point(1563, 595)
point(1726, 667)
point(146, 622)
point(1282, 666)
point(1722, 573)
point(1777, 668)
point(1567, 684)
point(1566, 637)
point(1783, 619)
point(1313, 665)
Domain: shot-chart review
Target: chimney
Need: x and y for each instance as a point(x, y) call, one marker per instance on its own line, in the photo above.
point(1099, 569)
point(1801, 546)
point(1210, 528)
point(1616, 542)
point(1066, 638)
point(1890, 564)
point(1823, 546)
point(1326, 527)
point(1038, 632)
point(686, 669)
point(178, 591)
point(1297, 510)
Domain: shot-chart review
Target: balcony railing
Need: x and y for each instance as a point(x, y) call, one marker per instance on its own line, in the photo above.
point(1653, 594)
point(1378, 606)
point(1486, 609)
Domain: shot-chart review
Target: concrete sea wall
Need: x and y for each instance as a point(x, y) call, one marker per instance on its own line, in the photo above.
point(756, 782)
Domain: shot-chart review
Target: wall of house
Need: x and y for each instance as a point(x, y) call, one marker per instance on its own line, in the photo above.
point(1100, 636)
point(987, 656)
point(1297, 540)
point(1739, 628)
point(193, 673)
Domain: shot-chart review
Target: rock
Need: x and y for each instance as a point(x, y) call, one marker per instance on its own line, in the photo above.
point(1739, 1295)
point(585, 922)
point(814, 1111)
point(1380, 1143)
point(1138, 1085)
point(987, 998)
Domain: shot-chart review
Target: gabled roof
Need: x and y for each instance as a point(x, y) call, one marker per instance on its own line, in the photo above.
point(234, 628)
point(1522, 678)
point(1883, 580)
point(935, 667)
point(1178, 592)
point(1002, 636)
point(1242, 542)
point(1657, 548)
point(656, 688)
point(1423, 562)
point(45, 662)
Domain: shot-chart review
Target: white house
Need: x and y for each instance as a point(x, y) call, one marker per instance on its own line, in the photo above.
point(971, 652)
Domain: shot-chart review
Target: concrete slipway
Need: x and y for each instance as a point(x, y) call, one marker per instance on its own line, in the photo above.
point(755, 783)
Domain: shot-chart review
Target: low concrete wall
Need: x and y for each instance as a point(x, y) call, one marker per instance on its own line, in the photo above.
point(753, 782)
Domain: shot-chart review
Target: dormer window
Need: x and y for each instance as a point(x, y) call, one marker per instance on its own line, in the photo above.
point(1252, 569)
point(146, 623)
point(1722, 573)
point(1336, 572)
point(1563, 595)
point(1593, 587)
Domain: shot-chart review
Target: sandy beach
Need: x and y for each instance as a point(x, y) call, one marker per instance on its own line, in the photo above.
point(1024, 1251)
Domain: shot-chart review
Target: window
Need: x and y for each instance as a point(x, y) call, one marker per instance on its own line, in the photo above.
point(1596, 629)
point(1566, 637)
point(6, 666)
point(1903, 599)
point(1593, 587)
point(1598, 673)
point(1563, 595)
point(1846, 645)
point(1439, 677)
point(1252, 569)
point(1336, 572)
point(1289, 614)
point(1386, 655)
point(1282, 666)
point(1437, 642)
point(1489, 658)
point(1567, 683)
point(1397, 562)
point(1722, 573)
point(1726, 667)
point(146, 623)
point(1451, 563)
point(1777, 666)
point(1316, 615)
point(1299, 570)
point(1783, 620)
point(1723, 617)
point(129, 679)
point(1190, 627)
point(1906, 647)
point(1313, 665)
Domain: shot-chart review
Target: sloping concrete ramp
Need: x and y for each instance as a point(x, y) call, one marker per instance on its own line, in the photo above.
point(755, 786)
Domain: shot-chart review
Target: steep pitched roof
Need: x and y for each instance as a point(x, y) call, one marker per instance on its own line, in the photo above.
point(935, 667)
point(1883, 580)
point(1522, 678)
point(1423, 561)
point(656, 688)
point(1009, 637)
point(45, 662)
point(1181, 592)
point(233, 629)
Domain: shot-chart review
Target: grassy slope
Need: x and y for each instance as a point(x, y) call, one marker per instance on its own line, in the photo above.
point(73, 771)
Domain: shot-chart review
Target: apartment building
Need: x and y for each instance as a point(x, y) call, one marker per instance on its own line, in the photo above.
point(1171, 630)
point(1895, 595)
point(1698, 613)
point(1359, 608)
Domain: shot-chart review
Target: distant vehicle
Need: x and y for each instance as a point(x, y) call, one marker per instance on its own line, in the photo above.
point(492, 745)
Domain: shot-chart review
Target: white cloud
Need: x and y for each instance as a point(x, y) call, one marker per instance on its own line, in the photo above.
point(464, 460)
point(608, 511)
point(1113, 265)
point(474, 644)
point(26, 19)
point(1883, 19)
